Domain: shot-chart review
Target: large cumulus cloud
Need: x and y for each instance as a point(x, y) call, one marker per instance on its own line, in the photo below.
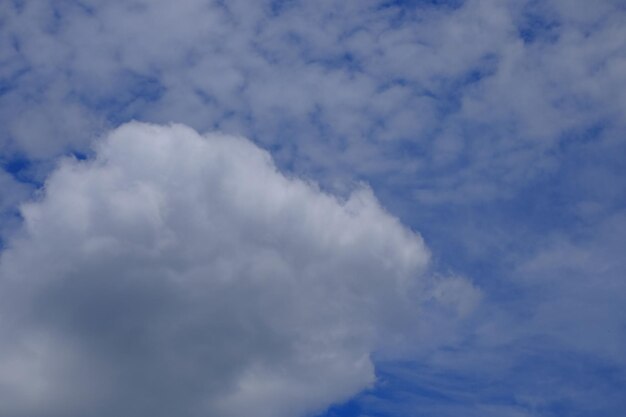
point(180, 274)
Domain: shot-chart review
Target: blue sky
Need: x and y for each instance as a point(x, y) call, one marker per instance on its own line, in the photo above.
point(476, 146)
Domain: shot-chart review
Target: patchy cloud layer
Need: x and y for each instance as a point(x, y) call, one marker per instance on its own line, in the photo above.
point(176, 274)
point(482, 93)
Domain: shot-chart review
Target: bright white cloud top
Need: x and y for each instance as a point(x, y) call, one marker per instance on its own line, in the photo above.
point(180, 274)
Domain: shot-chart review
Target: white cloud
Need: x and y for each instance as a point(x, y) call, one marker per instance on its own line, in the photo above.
point(181, 274)
point(355, 81)
point(438, 107)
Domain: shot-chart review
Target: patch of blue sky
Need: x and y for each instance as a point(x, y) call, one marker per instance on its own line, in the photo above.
point(536, 25)
point(10, 82)
point(14, 67)
point(450, 91)
point(5, 87)
point(22, 170)
point(86, 8)
point(509, 224)
point(403, 11)
point(79, 156)
point(277, 7)
point(408, 4)
point(296, 44)
point(126, 100)
point(18, 5)
point(591, 166)
point(15, 166)
point(546, 383)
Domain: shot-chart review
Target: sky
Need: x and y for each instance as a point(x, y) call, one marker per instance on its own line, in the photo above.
point(293, 208)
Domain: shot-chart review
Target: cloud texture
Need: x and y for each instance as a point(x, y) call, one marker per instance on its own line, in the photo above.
point(494, 127)
point(179, 274)
point(482, 94)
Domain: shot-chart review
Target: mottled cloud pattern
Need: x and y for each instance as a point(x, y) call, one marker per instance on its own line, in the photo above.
point(464, 100)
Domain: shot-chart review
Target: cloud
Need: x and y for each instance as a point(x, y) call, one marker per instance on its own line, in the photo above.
point(482, 94)
point(490, 126)
point(175, 273)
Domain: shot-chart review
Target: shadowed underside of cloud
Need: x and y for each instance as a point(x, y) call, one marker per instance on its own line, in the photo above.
point(179, 274)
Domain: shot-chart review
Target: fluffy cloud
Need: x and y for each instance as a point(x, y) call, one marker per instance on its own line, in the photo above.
point(179, 274)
